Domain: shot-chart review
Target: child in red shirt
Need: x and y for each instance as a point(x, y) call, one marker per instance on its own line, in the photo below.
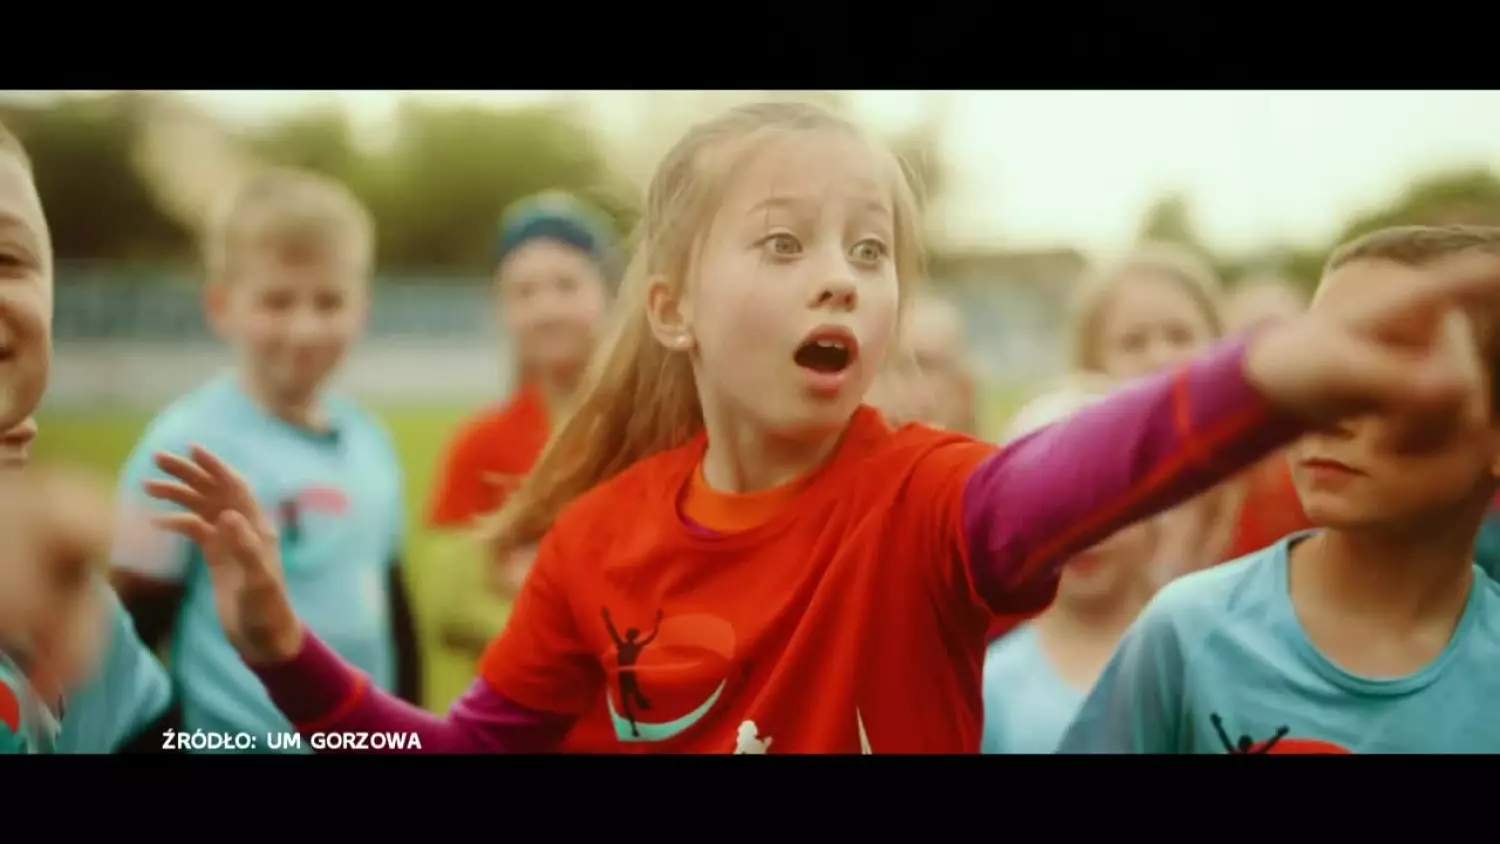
point(554, 272)
point(736, 555)
point(555, 269)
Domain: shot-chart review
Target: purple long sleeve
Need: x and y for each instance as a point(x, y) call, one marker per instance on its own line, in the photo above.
point(319, 693)
point(1056, 492)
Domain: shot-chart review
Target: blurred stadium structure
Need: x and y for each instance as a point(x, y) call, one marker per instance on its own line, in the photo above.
point(139, 342)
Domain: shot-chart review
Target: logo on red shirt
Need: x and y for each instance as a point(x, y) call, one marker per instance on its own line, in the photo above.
point(667, 677)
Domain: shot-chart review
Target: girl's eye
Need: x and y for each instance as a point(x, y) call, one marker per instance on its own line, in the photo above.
point(869, 250)
point(782, 244)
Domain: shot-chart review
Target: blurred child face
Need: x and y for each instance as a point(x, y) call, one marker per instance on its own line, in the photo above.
point(25, 296)
point(1110, 570)
point(1149, 324)
point(552, 303)
point(928, 382)
point(1390, 471)
point(292, 314)
point(793, 304)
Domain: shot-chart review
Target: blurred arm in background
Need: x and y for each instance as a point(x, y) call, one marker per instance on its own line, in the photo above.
point(476, 593)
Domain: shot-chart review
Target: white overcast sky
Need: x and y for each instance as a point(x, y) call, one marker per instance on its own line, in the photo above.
point(1043, 168)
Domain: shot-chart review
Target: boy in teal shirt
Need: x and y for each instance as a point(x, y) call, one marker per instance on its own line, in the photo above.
point(1376, 634)
point(289, 259)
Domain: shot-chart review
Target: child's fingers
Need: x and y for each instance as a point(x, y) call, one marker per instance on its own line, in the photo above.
point(223, 475)
point(189, 525)
point(1397, 381)
point(1467, 278)
point(184, 470)
point(176, 493)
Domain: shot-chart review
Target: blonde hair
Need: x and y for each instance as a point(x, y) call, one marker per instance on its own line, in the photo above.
point(286, 208)
point(1091, 299)
point(1069, 395)
point(638, 397)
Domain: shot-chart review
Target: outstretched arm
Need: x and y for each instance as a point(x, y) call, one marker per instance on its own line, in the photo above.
point(318, 692)
point(1031, 506)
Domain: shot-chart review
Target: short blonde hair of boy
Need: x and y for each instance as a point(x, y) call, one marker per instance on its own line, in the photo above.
point(1090, 300)
point(282, 208)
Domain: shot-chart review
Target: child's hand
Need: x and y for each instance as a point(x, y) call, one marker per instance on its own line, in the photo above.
point(54, 538)
point(239, 544)
point(1384, 352)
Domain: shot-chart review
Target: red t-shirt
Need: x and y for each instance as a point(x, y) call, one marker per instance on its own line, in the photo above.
point(486, 458)
point(1270, 511)
point(840, 625)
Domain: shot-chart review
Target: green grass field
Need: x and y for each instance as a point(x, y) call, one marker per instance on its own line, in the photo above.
point(102, 440)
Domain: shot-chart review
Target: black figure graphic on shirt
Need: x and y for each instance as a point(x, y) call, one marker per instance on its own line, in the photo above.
point(627, 651)
point(1246, 746)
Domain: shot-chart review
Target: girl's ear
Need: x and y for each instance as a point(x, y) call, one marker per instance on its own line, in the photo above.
point(670, 315)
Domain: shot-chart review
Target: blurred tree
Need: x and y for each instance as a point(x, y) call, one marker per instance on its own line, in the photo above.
point(98, 205)
point(320, 139)
point(1169, 219)
point(1466, 195)
point(453, 169)
point(128, 177)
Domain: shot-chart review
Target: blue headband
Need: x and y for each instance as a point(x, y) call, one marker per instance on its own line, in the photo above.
point(558, 218)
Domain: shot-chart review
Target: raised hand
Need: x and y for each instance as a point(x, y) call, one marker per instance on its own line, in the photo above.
point(1378, 352)
point(239, 543)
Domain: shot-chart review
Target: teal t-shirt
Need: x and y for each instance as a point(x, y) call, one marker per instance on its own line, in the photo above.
point(1219, 663)
point(1487, 546)
point(337, 498)
point(1027, 704)
point(128, 691)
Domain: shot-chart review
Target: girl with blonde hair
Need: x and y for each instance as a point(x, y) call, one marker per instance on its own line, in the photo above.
point(729, 535)
point(1148, 311)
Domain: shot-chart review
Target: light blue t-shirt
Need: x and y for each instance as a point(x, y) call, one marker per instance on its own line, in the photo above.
point(1218, 663)
point(1027, 704)
point(337, 500)
point(126, 693)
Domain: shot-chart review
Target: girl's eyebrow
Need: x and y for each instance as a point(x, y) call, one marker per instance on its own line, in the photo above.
point(779, 201)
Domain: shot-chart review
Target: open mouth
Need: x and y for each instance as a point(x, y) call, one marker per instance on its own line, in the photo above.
point(827, 351)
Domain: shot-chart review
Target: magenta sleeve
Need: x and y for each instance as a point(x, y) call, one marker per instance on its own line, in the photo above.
point(1059, 490)
point(319, 693)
